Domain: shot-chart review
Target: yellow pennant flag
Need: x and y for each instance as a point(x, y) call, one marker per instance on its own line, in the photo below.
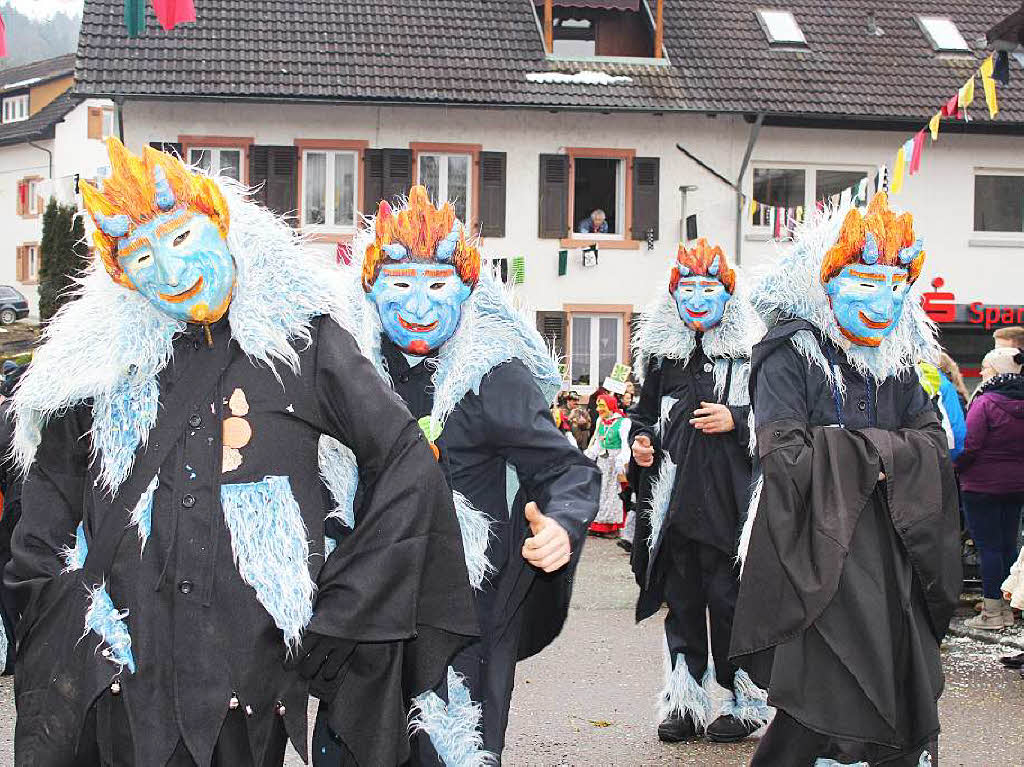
point(934, 125)
point(753, 207)
point(989, 85)
point(988, 67)
point(966, 93)
point(896, 186)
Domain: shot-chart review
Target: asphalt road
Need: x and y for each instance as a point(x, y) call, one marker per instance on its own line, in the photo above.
point(589, 698)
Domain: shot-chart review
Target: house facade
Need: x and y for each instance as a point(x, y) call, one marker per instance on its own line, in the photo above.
point(532, 115)
point(46, 140)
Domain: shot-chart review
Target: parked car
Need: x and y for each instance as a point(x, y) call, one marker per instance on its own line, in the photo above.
point(13, 305)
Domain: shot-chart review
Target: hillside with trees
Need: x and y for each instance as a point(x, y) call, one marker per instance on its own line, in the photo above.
point(31, 39)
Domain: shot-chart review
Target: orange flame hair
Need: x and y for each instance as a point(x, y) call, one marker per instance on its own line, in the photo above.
point(892, 233)
point(131, 190)
point(698, 261)
point(420, 227)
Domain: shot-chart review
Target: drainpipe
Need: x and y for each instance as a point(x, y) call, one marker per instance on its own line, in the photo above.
point(120, 118)
point(751, 141)
point(48, 152)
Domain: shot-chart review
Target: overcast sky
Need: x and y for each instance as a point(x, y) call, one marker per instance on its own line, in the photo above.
point(44, 8)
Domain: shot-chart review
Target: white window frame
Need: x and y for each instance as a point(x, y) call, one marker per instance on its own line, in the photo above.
point(32, 265)
point(994, 234)
point(620, 203)
point(930, 26)
point(15, 108)
point(770, 18)
point(216, 166)
point(810, 183)
point(32, 193)
point(329, 191)
point(442, 177)
point(595, 340)
point(108, 115)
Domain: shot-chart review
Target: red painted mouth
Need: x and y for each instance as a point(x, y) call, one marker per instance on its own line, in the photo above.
point(692, 313)
point(413, 327)
point(177, 298)
point(872, 324)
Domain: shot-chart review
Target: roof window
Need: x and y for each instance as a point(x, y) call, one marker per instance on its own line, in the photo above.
point(943, 34)
point(780, 28)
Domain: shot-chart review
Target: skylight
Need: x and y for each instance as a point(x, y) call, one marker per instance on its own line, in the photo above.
point(943, 34)
point(780, 27)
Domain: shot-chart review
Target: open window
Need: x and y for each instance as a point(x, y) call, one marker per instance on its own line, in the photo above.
point(599, 197)
point(576, 29)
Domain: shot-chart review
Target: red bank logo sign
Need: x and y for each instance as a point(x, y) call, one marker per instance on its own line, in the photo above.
point(941, 306)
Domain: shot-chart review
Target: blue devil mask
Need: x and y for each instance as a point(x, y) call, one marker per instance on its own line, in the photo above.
point(700, 301)
point(420, 305)
point(180, 262)
point(867, 301)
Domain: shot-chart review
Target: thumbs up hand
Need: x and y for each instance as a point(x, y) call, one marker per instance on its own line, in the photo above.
point(549, 548)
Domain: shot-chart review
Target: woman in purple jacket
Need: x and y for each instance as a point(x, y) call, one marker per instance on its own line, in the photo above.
point(992, 477)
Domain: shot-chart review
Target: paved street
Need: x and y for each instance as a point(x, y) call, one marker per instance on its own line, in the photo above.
point(589, 700)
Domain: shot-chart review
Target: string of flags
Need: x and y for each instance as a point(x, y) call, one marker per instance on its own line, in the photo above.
point(3, 37)
point(781, 220)
point(169, 13)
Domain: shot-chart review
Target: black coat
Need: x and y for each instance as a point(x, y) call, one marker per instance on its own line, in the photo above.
point(712, 481)
point(199, 633)
point(507, 422)
point(849, 583)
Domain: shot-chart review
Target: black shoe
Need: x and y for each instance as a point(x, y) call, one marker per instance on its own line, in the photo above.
point(1013, 661)
point(624, 544)
point(678, 729)
point(729, 729)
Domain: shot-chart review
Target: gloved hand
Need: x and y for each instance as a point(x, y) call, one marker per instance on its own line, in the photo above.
point(321, 661)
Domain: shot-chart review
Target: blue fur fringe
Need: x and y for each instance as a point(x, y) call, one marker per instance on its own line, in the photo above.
point(341, 475)
point(271, 550)
point(476, 532)
point(142, 514)
point(108, 622)
point(74, 556)
point(121, 421)
point(748, 703)
point(453, 728)
point(661, 494)
point(682, 694)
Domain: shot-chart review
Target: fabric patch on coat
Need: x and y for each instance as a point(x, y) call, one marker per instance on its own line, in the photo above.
point(453, 727)
point(661, 495)
point(340, 473)
point(74, 556)
point(108, 623)
point(236, 433)
point(271, 550)
point(142, 514)
point(476, 532)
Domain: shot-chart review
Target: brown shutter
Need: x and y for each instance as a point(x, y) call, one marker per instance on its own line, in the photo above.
point(646, 171)
point(275, 170)
point(553, 221)
point(387, 173)
point(95, 129)
point(21, 267)
point(171, 147)
point(492, 194)
point(22, 196)
point(373, 180)
point(551, 326)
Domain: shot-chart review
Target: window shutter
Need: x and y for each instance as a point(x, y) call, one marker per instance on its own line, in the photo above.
point(551, 326)
point(397, 176)
point(373, 180)
point(554, 196)
point(646, 172)
point(95, 123)
point(275, 170)
point(492, 194)
point(21, 269)
point(171, 147)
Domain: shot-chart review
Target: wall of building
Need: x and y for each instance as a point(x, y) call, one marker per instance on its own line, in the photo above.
point(41, 95)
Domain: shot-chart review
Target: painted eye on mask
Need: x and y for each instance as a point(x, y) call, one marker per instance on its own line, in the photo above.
point(709, 290)
point(144, 260)
point(182, 237)
point(401, 285)
point(436, 285)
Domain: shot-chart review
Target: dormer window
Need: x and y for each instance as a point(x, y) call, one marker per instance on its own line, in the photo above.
point(781, 29)
point(586, 29)
point(15, 108)
point(943, 34)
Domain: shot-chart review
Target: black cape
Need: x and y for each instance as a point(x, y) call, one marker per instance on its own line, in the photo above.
point(849, 583)
point(396, 584)
point(712, 481)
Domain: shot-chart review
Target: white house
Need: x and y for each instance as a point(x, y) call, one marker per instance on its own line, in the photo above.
point(531, 115)
point(46, 140)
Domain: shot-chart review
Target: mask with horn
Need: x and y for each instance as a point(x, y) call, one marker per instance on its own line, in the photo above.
point(701, 284)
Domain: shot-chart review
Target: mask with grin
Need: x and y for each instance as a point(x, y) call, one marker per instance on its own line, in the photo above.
point(869, 271)
point(162, 230)
point(701, 284)
point(419, 270)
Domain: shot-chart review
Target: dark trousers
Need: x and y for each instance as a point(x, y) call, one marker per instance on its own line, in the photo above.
point(700, 582)
point(994, 521)
point(787, 743)
point(107, 741)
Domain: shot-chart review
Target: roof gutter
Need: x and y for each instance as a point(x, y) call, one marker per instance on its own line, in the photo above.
point(755, 129)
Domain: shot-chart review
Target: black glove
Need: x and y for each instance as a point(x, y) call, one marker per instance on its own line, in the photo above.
point(321, 661)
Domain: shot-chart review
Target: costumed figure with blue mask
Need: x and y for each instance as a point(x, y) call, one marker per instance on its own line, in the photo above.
point(479, 379)
point(691, 464)
point(852, 545)
point(186, 427)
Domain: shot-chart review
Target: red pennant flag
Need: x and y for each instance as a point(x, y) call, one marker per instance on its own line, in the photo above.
point(915, 155)
point(170, 13)
point(949, 108)
point(3, 38)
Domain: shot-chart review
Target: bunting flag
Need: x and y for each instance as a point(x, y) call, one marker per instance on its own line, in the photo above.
point(1001, 71)
point(915, 155)
point(949, 108)
point(988, 84)
point(897, 171)
point(966, 94)
point(753, 207)
point(933, 124)
point(170, 13)
point(3, 37)
point(135, 17)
